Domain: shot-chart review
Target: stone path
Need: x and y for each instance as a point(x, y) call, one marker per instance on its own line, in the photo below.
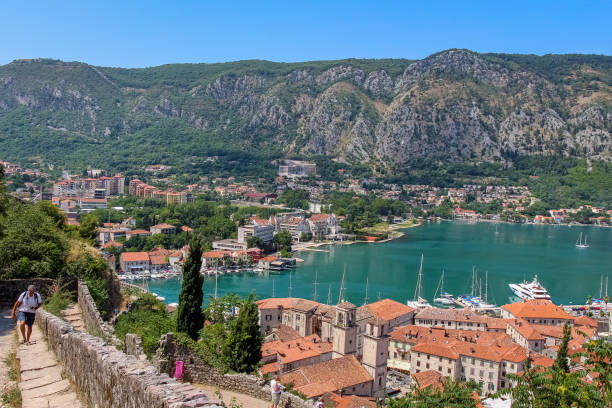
point(73, 315)
point(245, 401)
point(42, 382)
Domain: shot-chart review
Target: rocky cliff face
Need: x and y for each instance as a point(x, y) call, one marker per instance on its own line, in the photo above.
point(454, 105)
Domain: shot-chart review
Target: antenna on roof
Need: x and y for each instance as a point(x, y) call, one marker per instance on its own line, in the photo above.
point(290, 287)
point(341, 293)
point(365, 299)
point(314, 297)
point(329, 294)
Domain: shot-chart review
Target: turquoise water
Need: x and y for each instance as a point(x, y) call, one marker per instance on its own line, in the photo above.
point(509, 252)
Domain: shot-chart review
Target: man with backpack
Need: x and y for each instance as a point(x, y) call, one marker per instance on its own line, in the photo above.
point(26, 306)
point(275, 390)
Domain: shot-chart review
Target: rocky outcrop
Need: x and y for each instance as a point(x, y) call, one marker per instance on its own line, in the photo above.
point(453, 105)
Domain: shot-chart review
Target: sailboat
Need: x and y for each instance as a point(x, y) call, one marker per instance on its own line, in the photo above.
point(417, 301)
point(580, 244)
point(444, 298)
point(485, 303)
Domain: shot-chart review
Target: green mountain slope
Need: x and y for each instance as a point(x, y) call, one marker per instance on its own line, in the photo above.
point(455, 105)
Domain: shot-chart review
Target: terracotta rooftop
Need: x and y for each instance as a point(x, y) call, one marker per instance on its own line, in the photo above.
point(158, 260)
point(537, 309)
point(386, 309)
point(162, 226)
point(288, 303)
point(285, 333)
point(329, 376)
point(346, 305)
point(215, 254)
point(456, 315)
point(319, 217)
point(429, 378)
point(112, 244)
point(135, 257)
point(348, 401)
point(525, 329)
point(297, 349)
point(585, 321)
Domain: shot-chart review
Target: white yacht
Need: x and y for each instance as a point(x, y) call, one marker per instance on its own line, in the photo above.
point(530, 290)
point(418, 302)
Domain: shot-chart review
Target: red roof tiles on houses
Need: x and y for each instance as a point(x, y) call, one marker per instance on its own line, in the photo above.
point(135, 257)
point(537, 309)
point(388, 309)
point(329, 376)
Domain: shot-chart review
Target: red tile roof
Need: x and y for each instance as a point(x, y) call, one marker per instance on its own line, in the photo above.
point(329, 376)
point(429, 378)
point(388, 309)
point(537, 309)
point(297, 349)
point(135, 257)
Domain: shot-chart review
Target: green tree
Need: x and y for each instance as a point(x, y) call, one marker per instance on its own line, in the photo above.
point(89, 228)
point(30, 244)
point(255, 242)
point(242, 348)
point(189, 315)
point(561, 362)
point(283, 240)
point(455, 394)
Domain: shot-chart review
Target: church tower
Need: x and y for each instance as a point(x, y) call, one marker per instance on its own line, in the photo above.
point(344, 330)
point(375, 350)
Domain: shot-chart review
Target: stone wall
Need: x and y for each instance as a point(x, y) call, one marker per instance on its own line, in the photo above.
point(109, 378)
point(133, 346)
point(91, 317)
point(197, 371)
point(11, 289)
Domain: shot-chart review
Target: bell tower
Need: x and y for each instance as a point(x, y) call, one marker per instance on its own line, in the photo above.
point(375, 351)
point(344, 330)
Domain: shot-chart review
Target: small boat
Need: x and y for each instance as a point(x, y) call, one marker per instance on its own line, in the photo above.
point(580, 244)
point(417, 301)
point(444, 298)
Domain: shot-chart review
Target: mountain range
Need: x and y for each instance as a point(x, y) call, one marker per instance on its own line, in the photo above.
point(456, 105)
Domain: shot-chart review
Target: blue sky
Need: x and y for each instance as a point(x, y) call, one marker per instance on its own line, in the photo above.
point(146, 33)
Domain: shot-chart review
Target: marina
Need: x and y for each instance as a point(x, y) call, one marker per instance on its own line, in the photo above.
point(510, 253)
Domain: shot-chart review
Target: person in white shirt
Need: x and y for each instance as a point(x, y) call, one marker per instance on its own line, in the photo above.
point(26, 305)
point(275, 390)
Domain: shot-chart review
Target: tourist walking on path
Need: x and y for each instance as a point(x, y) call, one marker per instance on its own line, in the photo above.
point(26, 306)
point(275, 390)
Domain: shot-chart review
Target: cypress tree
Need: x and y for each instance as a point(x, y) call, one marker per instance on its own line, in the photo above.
point(561, 362)
point(242, 348)
point(189, 316)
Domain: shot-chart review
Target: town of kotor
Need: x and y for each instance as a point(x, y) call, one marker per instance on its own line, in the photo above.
point(306, 204)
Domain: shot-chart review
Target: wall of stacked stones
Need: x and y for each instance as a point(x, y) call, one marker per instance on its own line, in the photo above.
point(107, 377)
point(92, 320)
point(197, 371)
point(11, 289)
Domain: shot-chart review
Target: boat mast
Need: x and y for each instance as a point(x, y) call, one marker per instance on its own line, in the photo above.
point(273, 288)
point(486, 299)
point(417, 290)
point(600, 286)
point(473, 279)
point(216, 286)
point(329, 294)
point(341, 293)
point(314, 297)
point(290, 287)
point(365, 299)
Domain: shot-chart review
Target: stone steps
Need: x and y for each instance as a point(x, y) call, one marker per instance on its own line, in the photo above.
point(73, 315)
point(42, 382)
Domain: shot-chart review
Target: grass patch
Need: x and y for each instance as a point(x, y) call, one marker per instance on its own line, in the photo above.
point(58, 301)
point(12, 398)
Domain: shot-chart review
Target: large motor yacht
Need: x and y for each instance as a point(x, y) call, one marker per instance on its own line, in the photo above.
point(530, 290)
